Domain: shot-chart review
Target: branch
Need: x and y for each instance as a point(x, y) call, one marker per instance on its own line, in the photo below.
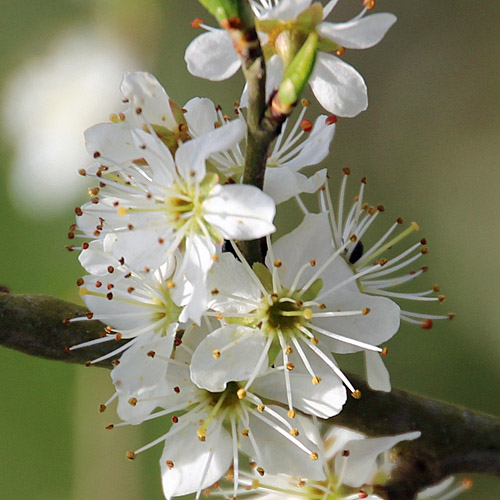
point(454, 439)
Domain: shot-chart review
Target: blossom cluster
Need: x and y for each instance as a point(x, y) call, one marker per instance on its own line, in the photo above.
point(242, 356)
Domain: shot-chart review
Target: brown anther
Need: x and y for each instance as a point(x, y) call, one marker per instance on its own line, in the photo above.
point(96, 233)
point(138, 110)
point(362, 494)
point(399, 220)
point(435, 288)
point(288, 350)
point(109, 296)
point(132, 401)
point(372, 210)
point(382, 262)
point(85, 245)
point(214, 291)
point(316, 380)
point(277, 263)
point(78, 211)
point(290, 366)
point(330, 120)
point(161, 241)
point(451, 316)
point(175, 419)
point(363, 180)
point(96, 154)
point(423, 241)
point(322, 306)
point(301, 483)
point(121, 260)
point(118, 336)
point(128, 275)
point(467, 483)
point(365, 311)
point(70, 248)
point(151, 354)
point(121, 116)
point(110, 286)
point(115, 362)
point(147, 269)
point(169, 464)
point(245, 432)
point(315, 341)
point(385, 351)
point(130, 227)
point(347, 171)
point(108, 329)
point(426, 324)
point(88, 363)
point(71, 235)
point(340, 51)
point(89, 315)
point(381, 208)
point(353, 238)
point(312, 262)
point(306, 125)
point(346, 453)
point(82, 172)
point(111, 269)
point(177, 342)
point(80, 281)
point(424, 269)
point(130, 455)
point(109, 427)
point(102, 408)
point(356, 394)
point(313, 456)
point(98, 284)
point(177, 389)
point(441, 298)
point(369, 4)
point(67, 321)
point(116, 203)
point(260, 471)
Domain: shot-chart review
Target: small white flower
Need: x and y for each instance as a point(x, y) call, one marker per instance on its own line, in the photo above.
point(384, 282)
point(300, 144)
point(205, 440)
point(304, 305)
point(339, 88)
point(155, 194)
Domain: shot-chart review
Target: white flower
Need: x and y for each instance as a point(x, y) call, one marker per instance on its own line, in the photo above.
point(156, 195)
point(47, 102)
point(356, 220)
point(205, 440)
point(353, 464)
point(304, 305)
point(339, 88)
point(133, 305)
point(299, 145)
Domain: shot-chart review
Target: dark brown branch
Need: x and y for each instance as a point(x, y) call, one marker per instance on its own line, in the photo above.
point(453, 440)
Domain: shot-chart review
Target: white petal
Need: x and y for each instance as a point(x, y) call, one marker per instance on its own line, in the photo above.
point(316, 147)
point(240, 211)
point(229, 290)
point(323, 400)
point(374, 328)
point(240, 349)
point(376, 372)
point(436, 490)
point(145, 92)
point(282, 184)
point(96, 261)
point(200, 116)
point(361, 33)
point(339, 88)
point(190, 157)
point(212, 56)
point(111, 141)
point(359, 467)
point(280, 455)
point(191, 458)
point(336, 438)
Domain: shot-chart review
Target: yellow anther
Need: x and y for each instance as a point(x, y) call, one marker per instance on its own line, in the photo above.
point(356, 394)
point(315, 341)
point(121, 211)
point(307, 313)
point(261, 408)
point(288, 350)
point(202, 434)
point(170, 284)
point(245, 432)
point(365, 311)
point(294, 432)
point(132, 401)
point(290, 366)
point(313, 456)
point(83, 291)
point(316, 380)
point(277, 263)
point(291, 413)
point(130, 455)
point(216, 353)
point(241, 393)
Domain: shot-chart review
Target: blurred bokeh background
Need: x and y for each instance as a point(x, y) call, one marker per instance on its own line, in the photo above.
point(429, 145)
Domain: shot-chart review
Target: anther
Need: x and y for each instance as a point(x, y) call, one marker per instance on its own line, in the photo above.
point(201, 433)
point(346, 453)
point(467, 483)
point(118, 337)
point(288, 350)
point(306, 125)
point(290, 366)
point(356, 394)
point(151, 354)
point(294, 432)
point(80, 281)
point(399, 220)
point(441, 298)
point(216, 353)
point(363, 180)
point(381, 208)
point(382, 262)
point(353, 238)
point(138, 110)
point(98, 284)
point(82, 172)
point(66, 321)
point(109, 296)
point(312, 262)
point(241, 393)
point(170, 464)
point(330, 120)
point(451, 316)
point(121, 260)
point(109, 427)
point(88, 363)
point(261, 408)
point(291, 413)
point(277, 263)
point(170, 284)
point(426, 324)
point(245, 432)
point(175, 419)
point(305, 102)
point(110, 286)
point(71, 235)
point(362, 494)
point(260, 471)
point(316, 380)
point(130, 455)
point(315, 341)
point(115, 362)
point(307, 313)
point(385, 351)
point(313, 456)
point(177, 389)
point(78, 211)
point(435, 288)
point(102, 408)
point(347, 171)
point(365, 311)
point(369, 4)
point(215, 291)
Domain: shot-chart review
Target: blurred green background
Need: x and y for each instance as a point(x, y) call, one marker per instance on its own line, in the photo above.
point(429, 145)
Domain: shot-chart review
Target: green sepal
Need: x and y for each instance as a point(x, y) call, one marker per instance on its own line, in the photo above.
point(308, 19)
point(222, 10)
point(264, 275)
point(298, 72)
point(273, 352)
point(327, 45)
point(312, 292)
